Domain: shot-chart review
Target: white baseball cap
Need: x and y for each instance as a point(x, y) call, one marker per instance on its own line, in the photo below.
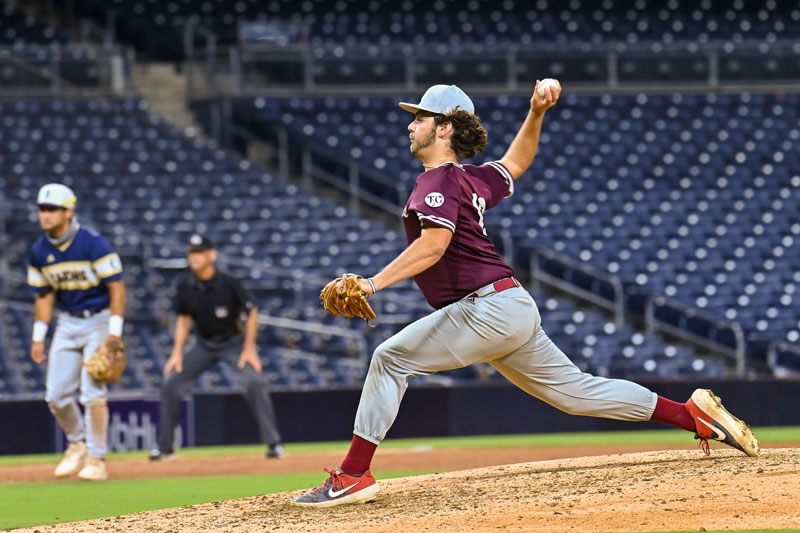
point(442, 100)
point(57, 195)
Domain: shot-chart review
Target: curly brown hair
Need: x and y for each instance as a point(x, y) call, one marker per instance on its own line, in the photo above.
point(469, 135)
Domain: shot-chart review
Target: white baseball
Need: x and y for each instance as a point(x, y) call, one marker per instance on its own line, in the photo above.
point(547, 82)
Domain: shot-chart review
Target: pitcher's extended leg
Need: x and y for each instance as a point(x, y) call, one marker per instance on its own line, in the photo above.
point(542, 370)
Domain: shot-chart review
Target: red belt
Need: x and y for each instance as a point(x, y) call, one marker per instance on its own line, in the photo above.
point(500, 286)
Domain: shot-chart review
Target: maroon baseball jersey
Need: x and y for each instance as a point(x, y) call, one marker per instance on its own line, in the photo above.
point(455, 196)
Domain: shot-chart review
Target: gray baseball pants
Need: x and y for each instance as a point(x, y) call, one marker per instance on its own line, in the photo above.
point(198, 360)
point(75, 341)
point(503, 329)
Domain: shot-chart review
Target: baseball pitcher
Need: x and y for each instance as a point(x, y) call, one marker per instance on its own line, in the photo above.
point(482, 314)
point(75, 269)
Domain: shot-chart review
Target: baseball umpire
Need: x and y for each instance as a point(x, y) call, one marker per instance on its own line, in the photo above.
point(215, 302)
point(482, 312)
point(75, 269)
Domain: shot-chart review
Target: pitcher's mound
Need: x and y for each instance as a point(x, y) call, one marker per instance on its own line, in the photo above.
point(666, 490)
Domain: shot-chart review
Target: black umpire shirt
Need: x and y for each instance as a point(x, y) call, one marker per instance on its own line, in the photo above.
point(217, 306)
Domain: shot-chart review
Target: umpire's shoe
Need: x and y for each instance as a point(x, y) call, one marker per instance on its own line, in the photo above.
point(715, 422)
point(275, 451)
point(340, 488)
point(158, 455)
point(74, 459)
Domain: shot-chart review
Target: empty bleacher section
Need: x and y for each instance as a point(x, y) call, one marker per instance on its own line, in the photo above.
point(251, 45)
point(36, 56)
point(673, 209)
point(382, 22)
point(684, 198)
point(148, 188)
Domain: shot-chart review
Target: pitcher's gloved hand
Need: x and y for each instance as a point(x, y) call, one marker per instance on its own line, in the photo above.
point(343, 296)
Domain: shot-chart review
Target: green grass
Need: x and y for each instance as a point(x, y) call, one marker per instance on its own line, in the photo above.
point(31, 504)
point(766, 435)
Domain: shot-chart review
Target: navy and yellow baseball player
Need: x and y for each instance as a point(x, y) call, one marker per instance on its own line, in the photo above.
point(76, 270)
point(482, 313)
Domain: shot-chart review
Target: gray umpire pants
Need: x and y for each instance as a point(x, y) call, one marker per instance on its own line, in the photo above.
point(503, 329)
point(198, 360)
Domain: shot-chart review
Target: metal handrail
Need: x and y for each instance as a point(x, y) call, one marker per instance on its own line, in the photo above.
point(656, 48)
point(616, 305)
point(321, 329)
point(737, 353)
point(308, 57)
point(354, 170)
point(56, 81)
point(780, 346)
point(89, 31)
point(308, 149)
point(112, 57)
point(189, 30)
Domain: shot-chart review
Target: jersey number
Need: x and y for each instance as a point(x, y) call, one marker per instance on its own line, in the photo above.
point(480, 205)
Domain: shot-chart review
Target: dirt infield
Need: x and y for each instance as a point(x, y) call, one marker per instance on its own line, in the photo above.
point(643, 491)
point(421, 458)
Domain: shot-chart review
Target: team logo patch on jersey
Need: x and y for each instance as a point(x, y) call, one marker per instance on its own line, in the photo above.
point(221, 312)
point(434, 199)
point(50, 258)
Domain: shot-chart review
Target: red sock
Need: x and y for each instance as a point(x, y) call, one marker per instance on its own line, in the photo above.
point(359, 457)
point(673, 413)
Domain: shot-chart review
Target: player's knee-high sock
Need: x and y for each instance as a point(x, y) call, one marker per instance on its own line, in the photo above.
point(673, 413)
point(97, 422)
point(359, 457)
point(69, 418)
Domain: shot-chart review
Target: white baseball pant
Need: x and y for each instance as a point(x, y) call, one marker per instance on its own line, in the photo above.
point(503, 329)
point(75, 341)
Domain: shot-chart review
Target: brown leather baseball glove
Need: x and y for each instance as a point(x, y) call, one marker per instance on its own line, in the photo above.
point(350, 302)
point(108, 362)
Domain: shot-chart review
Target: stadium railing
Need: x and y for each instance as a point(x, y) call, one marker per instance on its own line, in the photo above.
point(579, 279)
point(355, 338)
point(67, 69)
point(290, 155)
point(509, 67)
point(660, 314)
point(672, 317)
point(784, 359)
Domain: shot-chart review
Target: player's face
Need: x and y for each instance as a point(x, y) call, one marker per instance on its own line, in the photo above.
point(54, 219)
point(421, 132)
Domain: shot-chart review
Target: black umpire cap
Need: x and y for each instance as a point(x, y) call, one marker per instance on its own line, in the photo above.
point(200, 243)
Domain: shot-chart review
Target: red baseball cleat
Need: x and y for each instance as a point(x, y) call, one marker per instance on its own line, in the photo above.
point(715, 422)
point(340, 488)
